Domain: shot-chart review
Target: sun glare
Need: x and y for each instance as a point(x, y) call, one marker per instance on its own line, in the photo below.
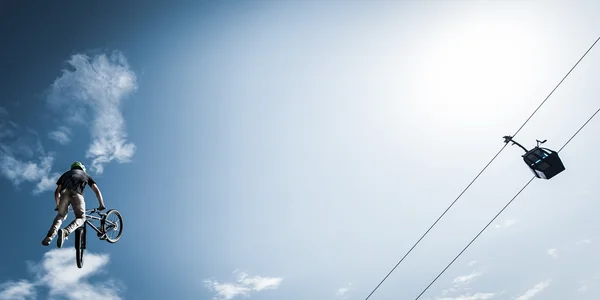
point(474, 68)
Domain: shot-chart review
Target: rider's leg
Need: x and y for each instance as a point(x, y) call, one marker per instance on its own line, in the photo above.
point(78, 204)
point(63, 207)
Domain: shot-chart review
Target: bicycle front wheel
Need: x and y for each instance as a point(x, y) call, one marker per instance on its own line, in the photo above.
point(79, 246)
point(112, 226)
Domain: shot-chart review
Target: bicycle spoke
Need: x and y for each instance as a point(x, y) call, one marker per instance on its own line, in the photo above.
point(111, 230)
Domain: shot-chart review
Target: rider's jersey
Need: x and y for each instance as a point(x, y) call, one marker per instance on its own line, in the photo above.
point(75, 180)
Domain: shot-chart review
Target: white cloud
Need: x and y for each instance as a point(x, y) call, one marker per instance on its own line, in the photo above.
point(244, 286)
point(22, 157)
point(534, 291)
point(342, 292)
point(62, 135)
point(506, 224)
point(553, 252)
point(7, 127)
point(19, 171)
point(584, 242)
point(582, 289)
point(259, 283)
point(588, 284)
point(460, 284)
point(47, 183)
point(466, 279)
point(472, 263)
point(227, 290)
point(20, 290)
point(477, 296)
point(95, 87)
point(58, 273)
point(6, 132)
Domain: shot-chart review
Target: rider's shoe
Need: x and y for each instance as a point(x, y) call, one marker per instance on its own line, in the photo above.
point(46, 241)
point(62, 236)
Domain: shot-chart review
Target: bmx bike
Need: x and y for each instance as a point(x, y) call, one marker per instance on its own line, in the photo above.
point(110, 230)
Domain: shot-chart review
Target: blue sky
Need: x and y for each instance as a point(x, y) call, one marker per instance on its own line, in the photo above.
point(296, 150)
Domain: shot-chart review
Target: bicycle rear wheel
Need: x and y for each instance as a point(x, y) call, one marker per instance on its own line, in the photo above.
point(79, 246)
point(112, 226)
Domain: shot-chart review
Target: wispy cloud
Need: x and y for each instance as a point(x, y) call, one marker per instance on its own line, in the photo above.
point(342, 293)
point(19, 290)
point(47, 183)
point(58, 274)
point(534, 291)
point(243, 287)
point(553, 252)
point(588, 284)
point(259, 283)
point(582, 289)
point(506, 224)
point(18, 171)
point(477, 296)
point(228, 290)
point(62, 135)
point(95, 86)
point(466, 278)
point(472, 263)
point(23, 159)
point(7, 130)
point(460, 284)
point(584, 242)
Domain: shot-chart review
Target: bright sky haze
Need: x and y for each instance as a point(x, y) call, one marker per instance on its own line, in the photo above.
point(297, 149)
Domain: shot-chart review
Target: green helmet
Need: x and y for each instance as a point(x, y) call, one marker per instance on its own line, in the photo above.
point(78, 165)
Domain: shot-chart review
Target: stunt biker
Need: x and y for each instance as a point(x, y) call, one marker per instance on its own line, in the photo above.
point(69, 190)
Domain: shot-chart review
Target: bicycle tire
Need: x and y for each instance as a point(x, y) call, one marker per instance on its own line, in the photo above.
point(79, 246)
point(119, 225)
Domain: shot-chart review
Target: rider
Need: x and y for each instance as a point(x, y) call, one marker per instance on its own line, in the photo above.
point(69, 190)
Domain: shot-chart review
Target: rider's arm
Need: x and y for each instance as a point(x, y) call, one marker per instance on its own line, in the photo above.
point(96, 190)
point(57, 194)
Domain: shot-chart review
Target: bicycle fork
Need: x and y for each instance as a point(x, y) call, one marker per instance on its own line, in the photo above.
point(84, 236)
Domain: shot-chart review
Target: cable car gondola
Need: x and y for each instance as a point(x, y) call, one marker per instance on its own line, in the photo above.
point(543, 162)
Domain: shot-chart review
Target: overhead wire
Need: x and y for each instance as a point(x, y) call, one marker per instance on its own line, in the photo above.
point(500, 212)
point(480, 172)
point(563, 79)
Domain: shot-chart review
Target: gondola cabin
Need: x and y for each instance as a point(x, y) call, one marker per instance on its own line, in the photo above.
point(544, 163)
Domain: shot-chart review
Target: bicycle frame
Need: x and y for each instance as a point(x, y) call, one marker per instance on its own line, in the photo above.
point(88, 216)
point(87, 222)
